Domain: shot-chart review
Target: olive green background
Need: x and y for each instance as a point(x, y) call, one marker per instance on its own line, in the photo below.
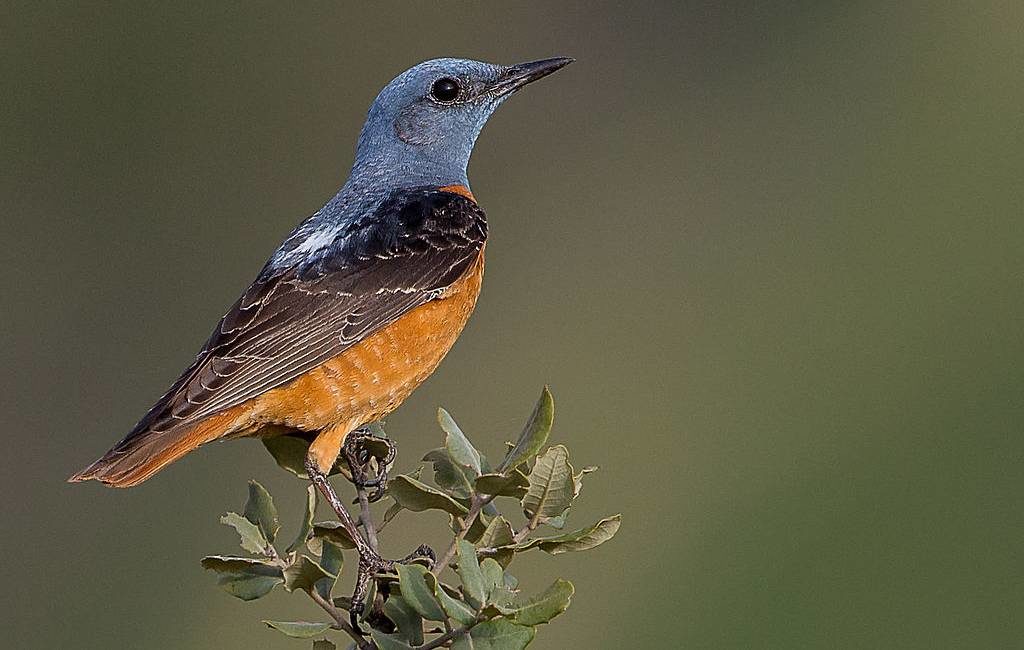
point(767, 255)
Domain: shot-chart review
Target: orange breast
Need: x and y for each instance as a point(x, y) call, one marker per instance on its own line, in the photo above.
point(371, 378)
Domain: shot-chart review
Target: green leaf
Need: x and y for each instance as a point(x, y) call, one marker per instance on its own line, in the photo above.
point(535, 433)
point(577, 479)
point(416, 591)
point(579, 540)
point(405, 618)
point(329, 530)
point(332, 561)
point(252, 539)
point(290, 453)
point(473, 584)
point(388, 641)
point(498, 536)
point(494, 575)
point(307, 521)
point(476, 529)
point(324, 644)
point(456, 609)
point(447, 475)
point(498, 533)
point(299, 629)
point(559, 521)
point(498, 634)
point(242, 577)
point(461, 451)
point(542, 608)
point(260, 510)
point(512, 485)
point(391, 513)
point(416, 496)
point(551, 486)
point(303, 574)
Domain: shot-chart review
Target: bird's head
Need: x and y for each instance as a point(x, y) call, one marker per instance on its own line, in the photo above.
point(424, 123)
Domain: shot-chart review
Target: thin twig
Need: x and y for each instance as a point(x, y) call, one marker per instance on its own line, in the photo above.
point(340, 622)
point(478, 503)
point(454, 634)
point(366, 518)
point(527, 529)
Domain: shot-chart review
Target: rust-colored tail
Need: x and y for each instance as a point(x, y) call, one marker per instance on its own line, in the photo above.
point(140, 456)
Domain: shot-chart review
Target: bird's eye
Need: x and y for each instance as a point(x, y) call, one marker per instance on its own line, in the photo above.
point(445, 89)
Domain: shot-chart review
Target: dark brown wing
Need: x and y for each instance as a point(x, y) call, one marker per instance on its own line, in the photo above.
point(296, 317)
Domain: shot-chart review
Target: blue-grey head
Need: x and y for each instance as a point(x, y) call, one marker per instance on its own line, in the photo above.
point(422, 127)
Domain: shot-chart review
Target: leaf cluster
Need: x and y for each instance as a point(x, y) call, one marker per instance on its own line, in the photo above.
point(482, 606)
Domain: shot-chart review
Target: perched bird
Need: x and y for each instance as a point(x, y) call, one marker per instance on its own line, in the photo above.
point(362, 300)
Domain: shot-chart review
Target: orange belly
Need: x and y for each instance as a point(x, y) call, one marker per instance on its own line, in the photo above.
point(368, 380)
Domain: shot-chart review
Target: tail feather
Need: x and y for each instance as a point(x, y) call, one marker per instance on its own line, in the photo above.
point(138, 457)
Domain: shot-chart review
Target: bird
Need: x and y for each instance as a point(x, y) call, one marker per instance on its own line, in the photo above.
point(359, 304)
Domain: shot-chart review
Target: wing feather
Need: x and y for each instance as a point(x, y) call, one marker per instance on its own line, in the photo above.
point(291, 320)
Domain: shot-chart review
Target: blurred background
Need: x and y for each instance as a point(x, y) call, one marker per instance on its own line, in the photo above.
point(767, 255)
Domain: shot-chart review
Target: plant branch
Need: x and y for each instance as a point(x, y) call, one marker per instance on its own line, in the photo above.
point(366, 518)
point(527, 529)
point(340, 621)
point(477, 504)
point(450, 636)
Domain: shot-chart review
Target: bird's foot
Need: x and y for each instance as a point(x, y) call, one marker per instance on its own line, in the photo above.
point(370, 564)
point(367, 453)
point(370, 561)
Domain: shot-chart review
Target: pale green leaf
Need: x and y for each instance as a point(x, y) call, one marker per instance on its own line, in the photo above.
point(535, 433)
point(290, 453)
point(577, 479)
point(493, 574)
point(447, 475)
point(514, 484)
point(579, 540)
point(498, 533)
point(244, 578)
point(461, 451)
point(417, 592)
point(497, 536)
point(407, 619)
point(542, 608)
point(329, 530)
point(499, 634)
point(303, 574)
point(299, 629)
point(473, 584)
point(306, 525)
point(416, 496)
point(260, 510)
point(456, 609)
point(332, 561)
point(551, 485)
point(252, 539)
point(388, 641)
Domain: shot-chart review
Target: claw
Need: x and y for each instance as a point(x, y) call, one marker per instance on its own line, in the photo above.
point(358, 457)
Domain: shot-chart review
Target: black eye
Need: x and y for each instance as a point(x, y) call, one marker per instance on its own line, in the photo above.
point(445, 89)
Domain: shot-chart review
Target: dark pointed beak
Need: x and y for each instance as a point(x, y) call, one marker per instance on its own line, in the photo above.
point(517, 76)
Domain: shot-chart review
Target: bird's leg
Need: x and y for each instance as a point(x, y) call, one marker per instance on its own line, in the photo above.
point(370, 562)
point(358, 456)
